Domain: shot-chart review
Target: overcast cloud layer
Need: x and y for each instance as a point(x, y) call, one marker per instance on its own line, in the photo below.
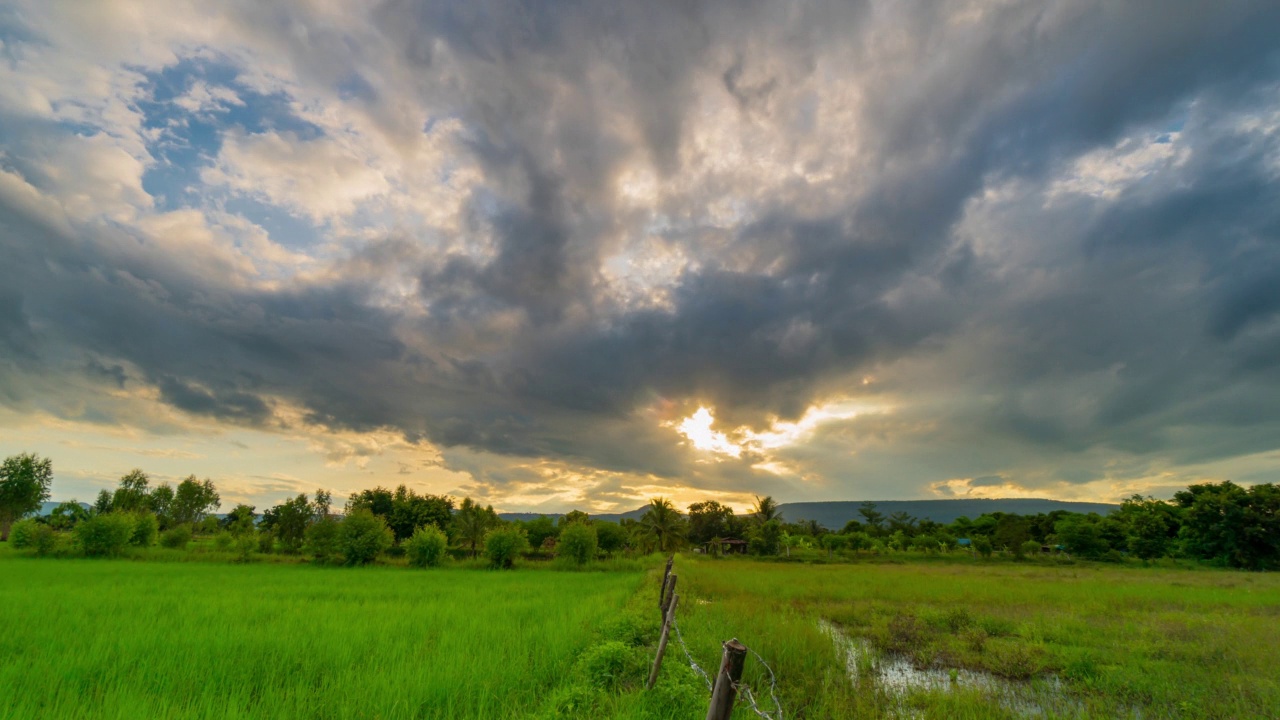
point(895, 250)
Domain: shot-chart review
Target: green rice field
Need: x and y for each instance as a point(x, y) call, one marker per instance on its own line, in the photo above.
point(148, 638)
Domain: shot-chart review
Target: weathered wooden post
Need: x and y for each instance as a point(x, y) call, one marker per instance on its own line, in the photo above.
point(668, 592)
point(726, 689)
point(662, 589)
point(662, 640)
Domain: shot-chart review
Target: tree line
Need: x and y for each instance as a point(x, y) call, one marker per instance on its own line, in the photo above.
point(1220, 523)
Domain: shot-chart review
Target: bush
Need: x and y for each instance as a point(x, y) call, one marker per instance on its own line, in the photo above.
point(578, 542)
point(22, 534)
point(266, 543)
point(145, 530)
point(176, 538)
point(104, 535)
point(35, 535)
point(223, 541)
point(1030, 547)
point(246, 542)
point(362, 536)
point(983, 546)
point(611, 663)
point(426, 547)
point(502, 546)
point(322, 540)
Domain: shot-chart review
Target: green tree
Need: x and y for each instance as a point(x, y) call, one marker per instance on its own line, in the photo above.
point(403, 509)
point(67, 515)
point(1151, 526)
point(362, 536)
point(766, 509)
point(24, 485)
point(288, 522)
point(322, 540)
point(766, 539)
point(709, 520)
point(578, 541)
point(832, 542)
point(663, 524)
point(176, 537)
point(240, 520)
point(539, 529)
point(145, 529)
point(133, 493)
point(982, 545)
point(1081, 536)
point(471, 523)
point(1230, 525)
point(873, 518)
point(426, 547)
point(610, 537)
point(504, 544)
point(160, 502)
point(35, 535)
point(103, 503)
point(1029, 547)
point(193, 500)
point(573, 516)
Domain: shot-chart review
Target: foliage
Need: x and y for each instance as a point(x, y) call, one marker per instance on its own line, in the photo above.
point(223, 541)
point(539, 529)
point(578, 542)
point(132, 494)
point(105, 535)
point(709, 520)
point(193, 500)
point(288, 522)
point(766, 509)
point(176, 538)
point(1081, 536)
point(67, 515)
point(610, 537)
point(362, 536)
point(571, 517)
point(982, 546)
point(266, 542)
point(504, 544)
point(24, 484)
point(1233, 526)
point(872, 517)
point(426, 547)
point(245, 543)
point(1152, 526)
point(663, 524)
point(160, 502)
point(1029, 547)
point(145, 529)
point(31, 534)
point(766, 539)
point(103, 503)
point(322, 540)
point(609, 664)
point(471, 523)
point(404, 510)
point(240, 521)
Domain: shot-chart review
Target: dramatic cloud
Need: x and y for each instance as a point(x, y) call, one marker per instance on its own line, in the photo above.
point(577, 253)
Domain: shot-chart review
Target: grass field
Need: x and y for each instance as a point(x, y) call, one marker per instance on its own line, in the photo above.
point(131, 639)
point(113, 639)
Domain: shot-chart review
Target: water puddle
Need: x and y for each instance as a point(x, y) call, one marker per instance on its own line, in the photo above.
point(898, 677)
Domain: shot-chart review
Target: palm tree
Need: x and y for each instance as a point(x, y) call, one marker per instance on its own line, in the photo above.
point(766, 509)
point(663, 523)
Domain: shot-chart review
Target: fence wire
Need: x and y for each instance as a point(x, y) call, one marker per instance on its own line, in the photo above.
point(744, 690)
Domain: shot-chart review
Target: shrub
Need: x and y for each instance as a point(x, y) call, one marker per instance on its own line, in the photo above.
point(609, 664)
point(362, 536)
point(322, 540)
point(176, 538)
point(223, 541)
point(502, 546)
point(246, 542)
point(145, 530)
point(266, 542)
point(426, 547)
point(578, 542)
point(983, 546)
point(1030, 547)
point(33, 534)
point(104, 535)
point(22, 534)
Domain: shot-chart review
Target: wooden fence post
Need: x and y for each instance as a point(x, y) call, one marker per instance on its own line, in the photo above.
point(662, 589)
point(662, 641)
point(726, 689)
point(668, 592)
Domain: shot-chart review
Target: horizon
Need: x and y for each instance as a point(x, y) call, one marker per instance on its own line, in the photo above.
point(561, 257)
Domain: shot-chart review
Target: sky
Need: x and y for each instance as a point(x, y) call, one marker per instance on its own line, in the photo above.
point(579, 254)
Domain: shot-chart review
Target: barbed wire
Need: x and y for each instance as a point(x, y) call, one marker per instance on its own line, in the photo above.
point(692, 663)
point(745, 692)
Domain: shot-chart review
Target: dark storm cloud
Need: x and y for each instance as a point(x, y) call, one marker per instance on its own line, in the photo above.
point(1154, 319)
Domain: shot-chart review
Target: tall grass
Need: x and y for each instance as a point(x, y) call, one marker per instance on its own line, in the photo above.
point(1164, 643)
point(110, 639)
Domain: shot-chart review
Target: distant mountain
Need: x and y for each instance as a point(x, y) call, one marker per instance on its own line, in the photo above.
point(46, 507)
point(611, 517)
point(834, 515)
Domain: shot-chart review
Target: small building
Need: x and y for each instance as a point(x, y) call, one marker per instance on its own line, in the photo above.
point(728, 546)
point(963, 542)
